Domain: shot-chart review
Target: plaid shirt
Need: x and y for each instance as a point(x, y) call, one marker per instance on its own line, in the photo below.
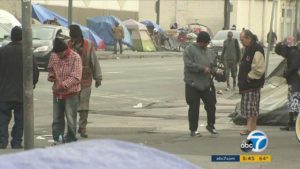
point(67, 74)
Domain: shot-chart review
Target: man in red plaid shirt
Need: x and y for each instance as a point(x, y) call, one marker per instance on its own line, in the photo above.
point(65, 71)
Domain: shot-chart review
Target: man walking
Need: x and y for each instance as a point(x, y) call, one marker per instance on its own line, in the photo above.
point(199, 65)
point(251, 79)
point(65, 69)
point(118, 37)
point(292, 55)
point(11, 89)
point(90, 70)
point(230, 58)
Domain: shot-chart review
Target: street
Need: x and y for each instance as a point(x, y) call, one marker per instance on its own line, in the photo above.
point(141, 100)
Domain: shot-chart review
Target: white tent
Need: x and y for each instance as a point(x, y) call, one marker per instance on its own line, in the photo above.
point(8, 18)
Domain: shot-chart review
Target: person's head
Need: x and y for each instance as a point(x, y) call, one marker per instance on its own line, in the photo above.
point(247, 38)
point(116, 24)
point(203, 39)
point(60, 48)
point(75, 33)
point(16, 34)
point(282, 49)
point(229, 35)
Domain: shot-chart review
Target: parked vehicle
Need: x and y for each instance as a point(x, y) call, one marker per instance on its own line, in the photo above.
point(42, 41)
point(217, 41)
point(4, 32)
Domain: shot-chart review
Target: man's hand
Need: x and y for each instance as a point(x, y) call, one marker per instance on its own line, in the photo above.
point(51, 79)
point(219, 72)
point(97, 83)
point(60, 87)
point(248, 79)
point(207, 70)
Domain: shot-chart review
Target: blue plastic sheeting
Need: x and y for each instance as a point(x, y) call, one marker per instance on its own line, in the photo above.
point(42, 14)
point(96, 154)
point(103, 26)
point(152, 24)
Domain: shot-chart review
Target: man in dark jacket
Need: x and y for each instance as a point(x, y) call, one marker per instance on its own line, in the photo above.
point(11, 89)
point(251, 79)
point(292, 75)
point(199, 65)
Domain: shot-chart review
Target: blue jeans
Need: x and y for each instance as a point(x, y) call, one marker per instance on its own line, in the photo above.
point(65, 108)
point(6, 109)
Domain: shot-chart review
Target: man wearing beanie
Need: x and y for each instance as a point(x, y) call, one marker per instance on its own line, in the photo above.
point(11, 89)
point(90, 70)
point(65, 70)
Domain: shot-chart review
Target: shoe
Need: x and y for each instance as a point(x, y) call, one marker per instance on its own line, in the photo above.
point(83, 135)
point(195, 134)
point(211, 129)
point(245, 133)
point(287, 128)
point(17, 146)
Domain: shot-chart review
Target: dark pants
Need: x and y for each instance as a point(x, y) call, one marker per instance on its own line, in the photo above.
point(292, 119)
point(6, 109)
point(230, 67)
point(115, 46)
point(61, 108)
point(193, 97)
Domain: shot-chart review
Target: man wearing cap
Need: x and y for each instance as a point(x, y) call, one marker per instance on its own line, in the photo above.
point(118, 36)
point(11, 89)
point(90, 70)
point(65, 70)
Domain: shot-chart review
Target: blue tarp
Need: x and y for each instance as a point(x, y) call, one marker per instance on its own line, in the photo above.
point(152, 24)
point(95, 154)
point(42, 14)
point(103, 26)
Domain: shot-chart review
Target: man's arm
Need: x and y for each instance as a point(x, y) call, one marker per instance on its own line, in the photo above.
point(238, 51)
point(76, 73)
point(293, 63)
point(51, 74)
point(35, 72)
point(96, 69)
point(258, 66)
point(223, 51)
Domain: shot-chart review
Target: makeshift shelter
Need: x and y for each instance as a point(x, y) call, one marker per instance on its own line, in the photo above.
point(108, 154)
point(8, 18)
point(43, 14)
point(140, 37)
point(103, 26)
point(151, 26)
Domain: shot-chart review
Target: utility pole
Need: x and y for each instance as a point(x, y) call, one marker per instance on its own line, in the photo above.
point(157, 10)
point(27, 75)
point(70, 12)
point(270, 37)
point(227, 14)
point(296, 20)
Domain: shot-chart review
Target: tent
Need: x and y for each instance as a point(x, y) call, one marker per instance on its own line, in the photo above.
point(43, 14)
point(140, 37)
point(8, 18)
point(103, 26)
point(108, 154)
point(152, 25)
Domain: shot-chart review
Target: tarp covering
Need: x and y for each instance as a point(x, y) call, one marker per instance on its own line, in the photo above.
point(43, 14)
point(140, 37)
point(103, 26)
point(8, 18)
point(96, 154)
point(152, 24)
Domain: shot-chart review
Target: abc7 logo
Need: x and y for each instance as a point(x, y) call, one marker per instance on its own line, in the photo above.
point(257, 141)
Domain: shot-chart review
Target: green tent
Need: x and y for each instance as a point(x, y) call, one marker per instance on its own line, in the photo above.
point(140, 37)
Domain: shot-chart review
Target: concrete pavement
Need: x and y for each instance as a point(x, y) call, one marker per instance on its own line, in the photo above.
point(161, 122)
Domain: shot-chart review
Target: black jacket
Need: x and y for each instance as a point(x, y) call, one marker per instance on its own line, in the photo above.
point(245, 68)
point(11, 73)
point(293, 65)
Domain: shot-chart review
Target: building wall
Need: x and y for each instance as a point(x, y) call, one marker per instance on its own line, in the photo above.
point(207, 12)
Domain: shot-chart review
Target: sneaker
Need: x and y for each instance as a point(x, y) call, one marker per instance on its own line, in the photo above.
point(17, 146)
point(83, 135)
point(211, 129)
point(287, 128)
point(195, 134)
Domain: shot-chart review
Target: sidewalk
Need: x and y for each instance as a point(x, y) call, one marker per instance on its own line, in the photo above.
point(127, 54)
